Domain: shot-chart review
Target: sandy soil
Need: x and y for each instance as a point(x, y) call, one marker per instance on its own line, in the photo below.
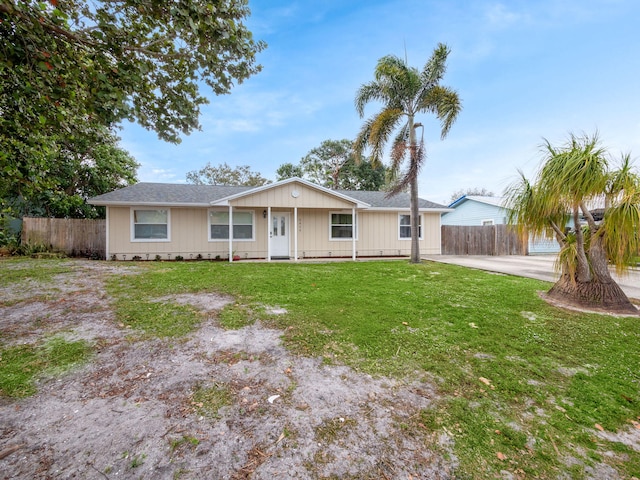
point(129, 413)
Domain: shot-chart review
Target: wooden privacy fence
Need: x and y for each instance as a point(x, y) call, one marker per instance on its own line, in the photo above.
point(485, 240)
point(75, 237)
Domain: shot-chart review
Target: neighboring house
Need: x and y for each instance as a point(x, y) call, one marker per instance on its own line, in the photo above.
point(482, 210)
point(292, 218)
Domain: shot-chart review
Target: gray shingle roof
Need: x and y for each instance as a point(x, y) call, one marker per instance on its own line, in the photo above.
point(187, 194)
point(167, 194)
point(379, 200)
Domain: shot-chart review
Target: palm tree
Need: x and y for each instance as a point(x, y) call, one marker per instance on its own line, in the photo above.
point(404, 92)
point(572, 180)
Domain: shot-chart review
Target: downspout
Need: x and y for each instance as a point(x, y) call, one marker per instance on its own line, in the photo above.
point(230, 233)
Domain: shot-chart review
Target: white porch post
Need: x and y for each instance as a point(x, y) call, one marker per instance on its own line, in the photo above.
point(353, 233)
point(268, 234)
point(230, 233)
point(106, 248)
point(295, 234)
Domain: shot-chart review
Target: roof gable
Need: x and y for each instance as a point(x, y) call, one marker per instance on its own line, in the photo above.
point(494, 201)
point(291, 192)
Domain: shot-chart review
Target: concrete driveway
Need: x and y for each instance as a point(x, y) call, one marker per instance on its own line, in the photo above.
point(531, 266)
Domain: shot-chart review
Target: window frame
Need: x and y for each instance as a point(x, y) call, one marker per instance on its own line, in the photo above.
point(400, 225)
point(488, 222)
point(133, 211)
point(226, 212)
point(354, 225)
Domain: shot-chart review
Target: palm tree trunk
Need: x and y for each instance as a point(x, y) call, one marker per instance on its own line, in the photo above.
point(415, 231)
point(583, 273)
point(600, 291)
point(415, 219)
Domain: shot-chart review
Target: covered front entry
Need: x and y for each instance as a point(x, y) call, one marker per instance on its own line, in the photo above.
point(280, 237)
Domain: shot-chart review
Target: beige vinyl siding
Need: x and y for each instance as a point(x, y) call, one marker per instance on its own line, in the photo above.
point(377, 234)
point(281, 197)
point(189, 237)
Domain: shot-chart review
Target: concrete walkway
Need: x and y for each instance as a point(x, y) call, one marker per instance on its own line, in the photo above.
point(532, 266)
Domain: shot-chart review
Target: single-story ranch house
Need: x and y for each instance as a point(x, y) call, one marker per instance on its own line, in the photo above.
point(292, 218)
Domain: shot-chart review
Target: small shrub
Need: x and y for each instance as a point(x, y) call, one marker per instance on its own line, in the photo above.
point(158, 258)
point(136, 258)
point(179, 258)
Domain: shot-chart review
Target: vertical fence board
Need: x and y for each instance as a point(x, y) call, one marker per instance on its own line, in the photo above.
point(76, 237)
point(482, 240)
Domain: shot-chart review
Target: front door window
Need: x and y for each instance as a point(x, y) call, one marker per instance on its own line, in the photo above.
point(280, 234)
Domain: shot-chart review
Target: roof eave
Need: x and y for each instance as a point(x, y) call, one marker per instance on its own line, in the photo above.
point(408, 209)
point(120, 203)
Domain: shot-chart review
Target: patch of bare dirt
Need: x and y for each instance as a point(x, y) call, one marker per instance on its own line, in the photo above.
point(130, 413)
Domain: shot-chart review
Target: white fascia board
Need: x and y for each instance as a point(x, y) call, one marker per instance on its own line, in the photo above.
point(408, 209)
point(149, 204)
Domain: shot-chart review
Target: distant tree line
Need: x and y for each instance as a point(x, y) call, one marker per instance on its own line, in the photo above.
point(331, 165)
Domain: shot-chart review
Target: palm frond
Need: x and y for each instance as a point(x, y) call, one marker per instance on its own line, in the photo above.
point(383, 125)
point(445, 103)
point(436, 66)
point(533, 211)
point(416, 160)
point(361, 142)
point(567, 260)
point(578, 169)
point(366, 93)
point(621, 228)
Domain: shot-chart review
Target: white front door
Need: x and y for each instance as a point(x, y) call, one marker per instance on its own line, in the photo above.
point(279, 234)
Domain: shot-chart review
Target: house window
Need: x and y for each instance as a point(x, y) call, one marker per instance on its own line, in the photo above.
point(219, 225)
point(342, 226)
point(487, 222)
point(405, 227)
point(150, 225)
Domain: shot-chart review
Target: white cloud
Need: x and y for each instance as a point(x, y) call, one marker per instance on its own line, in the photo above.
point(499, 16)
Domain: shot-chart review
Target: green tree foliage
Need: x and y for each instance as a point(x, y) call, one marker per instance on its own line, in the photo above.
point(224, 174)
point(362, 175)
point(139, 60)
point(480, 192)
point(573, 181)
point(405, 92)
point(323, 164)
point(83, 165)
point(71, 69)
point(333, 165)
point(289, 170)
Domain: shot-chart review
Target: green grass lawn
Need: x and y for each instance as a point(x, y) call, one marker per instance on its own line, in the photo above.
point(522, 386)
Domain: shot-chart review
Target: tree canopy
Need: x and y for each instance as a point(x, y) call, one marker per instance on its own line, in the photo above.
point(83, 165)
point(224, 174)
point(75, 69)
point(333, 165)
point(480, 192)
point(289, 170)
point(404, 92)
point(104, 61)
point(574, 181)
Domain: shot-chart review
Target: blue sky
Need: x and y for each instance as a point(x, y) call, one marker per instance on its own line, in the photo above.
point(525, 70)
